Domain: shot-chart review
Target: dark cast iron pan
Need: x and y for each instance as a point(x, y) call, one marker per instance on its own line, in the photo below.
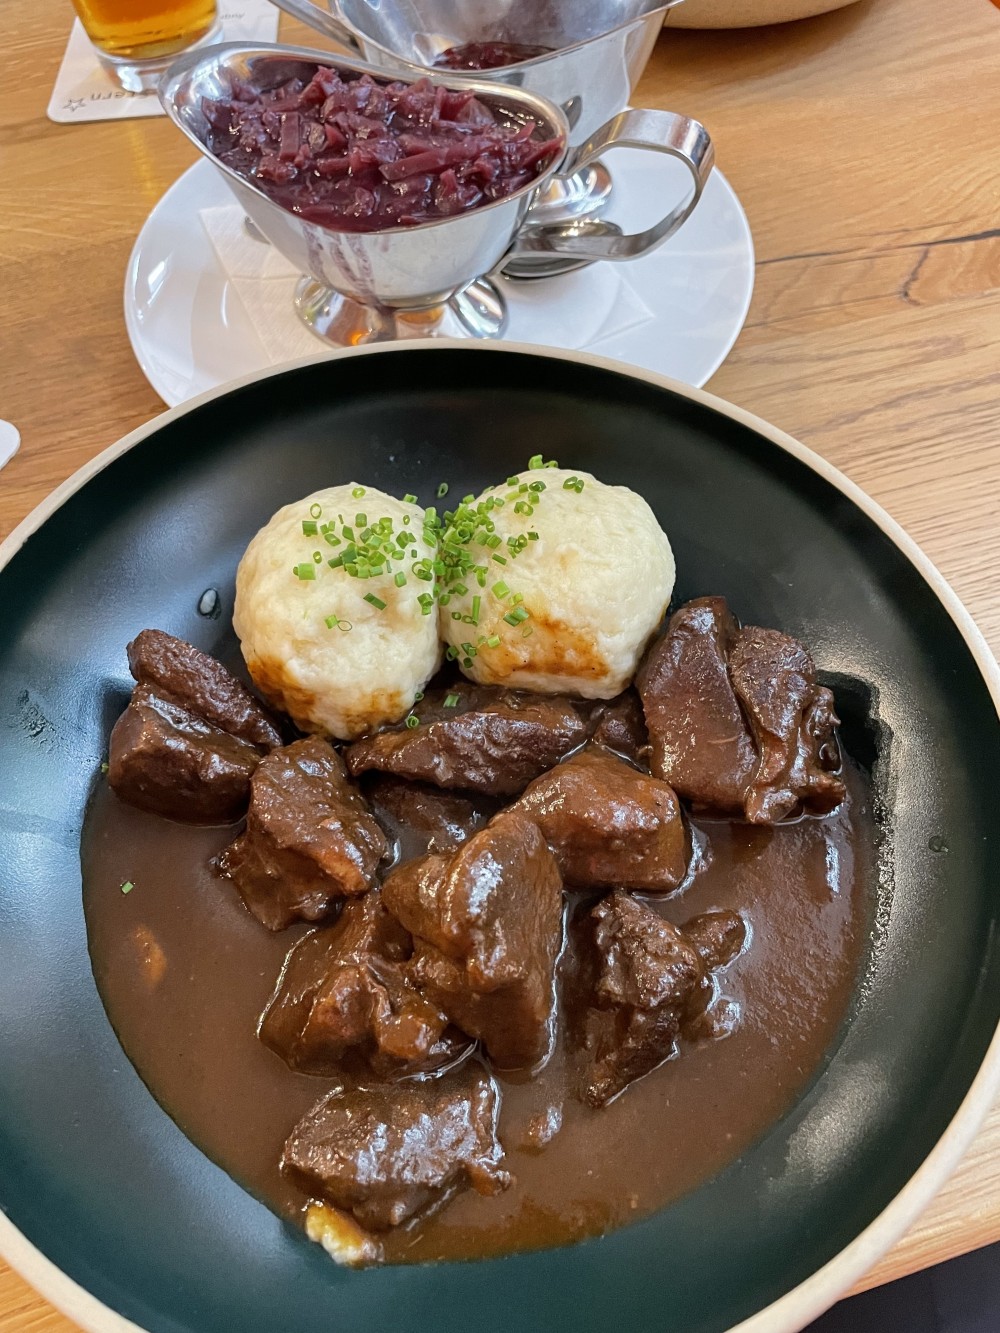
point(120, 1220)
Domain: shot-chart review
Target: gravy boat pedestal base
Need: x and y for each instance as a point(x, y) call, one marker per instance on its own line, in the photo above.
point(479, 311)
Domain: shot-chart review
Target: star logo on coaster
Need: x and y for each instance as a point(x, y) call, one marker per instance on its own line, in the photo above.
point(74, 103)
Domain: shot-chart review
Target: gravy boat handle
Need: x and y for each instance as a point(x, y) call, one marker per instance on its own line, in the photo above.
point(658, 131)
point(321, 20)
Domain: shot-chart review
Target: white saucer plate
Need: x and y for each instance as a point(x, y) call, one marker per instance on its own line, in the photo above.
point(191, 331)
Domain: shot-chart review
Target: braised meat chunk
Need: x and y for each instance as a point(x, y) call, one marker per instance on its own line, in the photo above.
point(344, 988)
point(487, 927)
point(648, 977)
point(609, 824)
point(426, 819)
point(191, 737)
point(619, 725)
point(793, 724)
point(717, 937)
point(310, 840)
point(178, 671)
point(167, 760)
point(737, 723)
point(475, 738)
point(388, 1152)
point(699, 740)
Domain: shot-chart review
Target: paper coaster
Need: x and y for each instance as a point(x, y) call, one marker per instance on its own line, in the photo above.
point(86, 91)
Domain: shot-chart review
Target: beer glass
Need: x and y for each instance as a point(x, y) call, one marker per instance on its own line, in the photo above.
point(137, 39)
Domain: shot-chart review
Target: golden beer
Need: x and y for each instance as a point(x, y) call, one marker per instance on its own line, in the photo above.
point(145, 29)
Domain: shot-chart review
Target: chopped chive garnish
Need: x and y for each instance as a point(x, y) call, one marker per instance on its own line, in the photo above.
point(375, 601)
point(317, 557)
point(573, 484)
point(475, 610)
point(460, 590)
point(316, 510)
point(412, 721)
point(331, 621)
point(451, 652)
point(105, 766)
point(535, 461)
point(418, 696)
point(456, 615)
point(532, 536)
point(442, 490)
point(400, 579)
point(128, 886)
point(500, 590)
point(537, 486)
point(332, 538)
point(358, 492)
point(305, 571)
point(513, 481)
point(526, 631)
point(500, 559)
point(348, 533)
point(309, 527)
point(515, 617)
point(409, 499)
point(493, 641)
point(451, 701)
point(361, 521)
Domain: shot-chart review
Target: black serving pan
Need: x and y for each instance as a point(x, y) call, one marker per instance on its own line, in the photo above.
point(117, 1217)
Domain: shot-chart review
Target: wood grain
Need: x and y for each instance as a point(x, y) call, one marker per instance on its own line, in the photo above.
point(862, 144)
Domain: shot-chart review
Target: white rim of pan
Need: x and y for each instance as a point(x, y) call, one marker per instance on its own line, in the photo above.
point(805, 1302)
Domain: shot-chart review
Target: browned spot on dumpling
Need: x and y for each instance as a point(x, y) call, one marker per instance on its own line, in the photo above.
point(553, 648)
point(271, 678)
point(368, 711)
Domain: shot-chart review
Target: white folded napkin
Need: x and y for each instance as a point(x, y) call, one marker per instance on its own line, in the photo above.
point(580, 310)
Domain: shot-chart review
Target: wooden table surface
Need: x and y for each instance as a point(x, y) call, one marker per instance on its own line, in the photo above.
point(863, 146)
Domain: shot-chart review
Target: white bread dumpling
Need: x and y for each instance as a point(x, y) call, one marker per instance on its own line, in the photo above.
point(586, 593)
point(315, 640)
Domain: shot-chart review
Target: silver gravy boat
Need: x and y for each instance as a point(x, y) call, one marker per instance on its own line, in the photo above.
point(599, 49)
point(366, 286)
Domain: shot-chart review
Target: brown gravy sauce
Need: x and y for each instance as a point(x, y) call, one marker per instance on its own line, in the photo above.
point(184, 972)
